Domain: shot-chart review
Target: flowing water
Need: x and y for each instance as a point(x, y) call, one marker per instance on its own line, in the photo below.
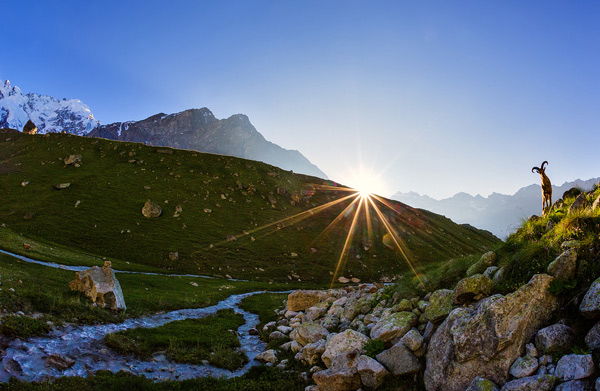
point(26, 360)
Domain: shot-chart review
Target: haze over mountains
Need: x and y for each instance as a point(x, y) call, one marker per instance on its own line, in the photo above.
point(195, 129)
point(497, 213)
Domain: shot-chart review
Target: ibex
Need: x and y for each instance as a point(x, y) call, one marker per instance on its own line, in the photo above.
point(546, 186)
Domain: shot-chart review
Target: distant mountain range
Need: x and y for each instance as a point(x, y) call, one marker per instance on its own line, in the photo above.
point(497, 213)
point(195, 129)
point(199, 130)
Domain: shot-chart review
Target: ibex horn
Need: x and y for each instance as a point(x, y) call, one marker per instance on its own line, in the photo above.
point(536, 168)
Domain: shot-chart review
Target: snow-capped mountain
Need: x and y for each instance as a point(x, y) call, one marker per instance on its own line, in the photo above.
point(47, 113)
point(497, 213)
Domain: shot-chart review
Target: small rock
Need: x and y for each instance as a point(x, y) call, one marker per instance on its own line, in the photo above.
point(194, 284)
point(342, 342)
point(576, 385)
point(277, 335)
point(312, 352)
point(174, 255)
point(440, 305)
point(62, 186)
point(530, 350)
point(253, 331)
point(72, 159)
point(472, 289)
point(592, 339)
point(412, 340)
point(60, 362)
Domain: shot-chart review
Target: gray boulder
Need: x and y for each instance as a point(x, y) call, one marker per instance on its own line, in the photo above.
point(393, 326)
point(564, 266)
point(342, 342)
point(524, 366)
point(486, 340)
point(590, 305)
point(269, 356)
point(574, 367)
point(342, 375)
point(557, 338)
point(399, 360)
point(309, 332)
point(592, 339)
point(371, 372)
point(531, 383)
point(312, 352)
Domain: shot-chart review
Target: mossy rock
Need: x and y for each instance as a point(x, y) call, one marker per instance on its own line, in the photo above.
point(440, 305)
point(488, 259)
point(472, 288)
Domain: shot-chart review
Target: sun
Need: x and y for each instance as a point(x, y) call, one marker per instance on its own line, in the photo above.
point(366, 184)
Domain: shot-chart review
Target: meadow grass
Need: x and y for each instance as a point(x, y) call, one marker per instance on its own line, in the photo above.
point(212, 338)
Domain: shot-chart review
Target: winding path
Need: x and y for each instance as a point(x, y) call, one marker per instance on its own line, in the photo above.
point(26, 360)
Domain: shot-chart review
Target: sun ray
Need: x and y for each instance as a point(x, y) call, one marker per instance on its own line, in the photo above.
point(349, 237)
point(293, 219)
point(396, 239)
point(337, 219)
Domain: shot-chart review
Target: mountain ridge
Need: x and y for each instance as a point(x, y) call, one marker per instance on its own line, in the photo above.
point(497, 213)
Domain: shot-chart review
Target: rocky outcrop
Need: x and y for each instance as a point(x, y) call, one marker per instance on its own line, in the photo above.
point(100, 285)
point(486, 340)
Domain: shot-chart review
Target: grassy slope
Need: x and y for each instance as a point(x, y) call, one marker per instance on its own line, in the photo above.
point(111, 192)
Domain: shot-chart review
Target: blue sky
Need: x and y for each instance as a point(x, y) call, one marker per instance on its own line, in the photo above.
point(434, 96)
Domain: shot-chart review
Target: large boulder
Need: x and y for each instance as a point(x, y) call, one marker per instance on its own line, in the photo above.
point(563, 267)
point(301, 300)
point(312, 352)
point(309, 332)
point(342, 342)
point(472, 288)
point(488, 259)
point(393, 326)
point(100, 285)
point(440, 305)
point(485, 340)
point(590, 305)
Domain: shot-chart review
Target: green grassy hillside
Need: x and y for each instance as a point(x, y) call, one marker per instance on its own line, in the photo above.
point(205, 199)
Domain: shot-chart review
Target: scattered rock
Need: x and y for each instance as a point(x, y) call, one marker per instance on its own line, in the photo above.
point(62, 186)
point(174, 255)
point(100, 285)
point(151, 210)
point(72, 159)
point(343, 280)
point(194, 284)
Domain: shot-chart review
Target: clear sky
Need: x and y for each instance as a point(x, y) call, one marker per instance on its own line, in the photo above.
point(436, 97)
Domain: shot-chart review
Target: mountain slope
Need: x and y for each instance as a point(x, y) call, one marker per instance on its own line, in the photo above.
point(213, 209)
point(497, 213)
point(49, 114)
point(199, 130)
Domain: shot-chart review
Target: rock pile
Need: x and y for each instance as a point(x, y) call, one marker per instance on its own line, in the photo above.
point(449, 340)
